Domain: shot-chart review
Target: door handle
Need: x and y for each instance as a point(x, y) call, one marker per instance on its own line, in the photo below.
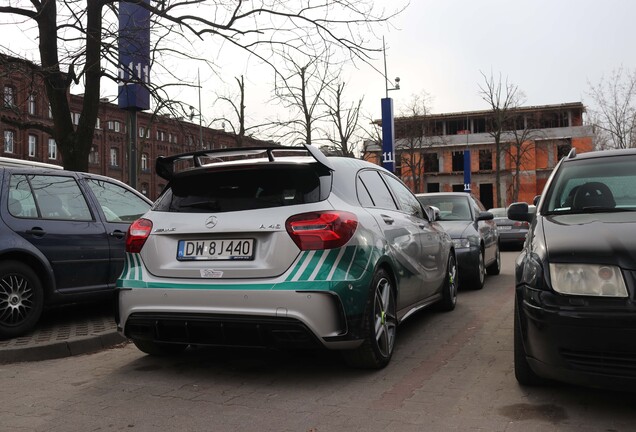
point(36, 232)
point(118, 234)
point(388, 219)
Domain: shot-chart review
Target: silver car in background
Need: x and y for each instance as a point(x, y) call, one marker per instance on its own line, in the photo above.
point(281, 247)
point(474, 235)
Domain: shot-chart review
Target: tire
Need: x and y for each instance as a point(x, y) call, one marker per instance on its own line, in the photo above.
point(449, 290)
point(523, 372)
point(495, 268)
point(159, 349)
point(379, 326)
point(478, 276)
point(21, 299)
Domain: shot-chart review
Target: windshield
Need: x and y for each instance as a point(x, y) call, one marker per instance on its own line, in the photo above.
point(594, 185)
point(450, 207)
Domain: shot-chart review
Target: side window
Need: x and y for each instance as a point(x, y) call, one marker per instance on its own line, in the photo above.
point(363, 194)
point(118, 203)
point(21, 202)
point(47, 197)
point(408, 202)
point(377, 188)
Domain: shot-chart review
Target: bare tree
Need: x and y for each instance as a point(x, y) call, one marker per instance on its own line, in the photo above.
point(301, 91)
point(371, 137)
point(237, 105)
point(521, 151)
point(344, 119)
point(504, 98)
point(78, 39)
point(414, 140)
point(614, 112)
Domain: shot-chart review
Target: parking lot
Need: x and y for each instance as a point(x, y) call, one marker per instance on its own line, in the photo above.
point(450, 371)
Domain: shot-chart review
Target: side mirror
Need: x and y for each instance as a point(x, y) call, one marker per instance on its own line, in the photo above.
point(519, 212)
point(433, 213)
point(484, 216)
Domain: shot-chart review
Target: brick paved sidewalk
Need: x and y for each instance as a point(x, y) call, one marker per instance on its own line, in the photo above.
point(64, 332)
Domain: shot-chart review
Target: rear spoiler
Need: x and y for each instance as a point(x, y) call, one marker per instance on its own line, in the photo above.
point(165, 164)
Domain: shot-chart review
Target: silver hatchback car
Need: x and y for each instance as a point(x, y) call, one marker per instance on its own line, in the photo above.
point(281, 247)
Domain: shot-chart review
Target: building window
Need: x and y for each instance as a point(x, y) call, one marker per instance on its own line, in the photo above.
point(98, 124)
point(52, 149)
point(31, 105)
point(114, 125)
point(562, 150)
point(93, 156)
point(432, 187)
point(144, 162)
point(458, 161)
point(142, 132)
point(485, 160)
point(33, 145)
point(76, 118)
point(9, 139)
point(114, 157)
point(50, 113)
point(144, 189)
point(9, 96)
point(431, 162)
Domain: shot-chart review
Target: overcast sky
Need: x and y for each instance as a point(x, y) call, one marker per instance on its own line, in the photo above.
point(551, 49)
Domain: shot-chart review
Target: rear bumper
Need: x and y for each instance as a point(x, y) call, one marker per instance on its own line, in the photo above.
point(237, 317)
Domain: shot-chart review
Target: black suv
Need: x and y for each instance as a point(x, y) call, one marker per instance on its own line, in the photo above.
point(575, 303)
point(62, 238)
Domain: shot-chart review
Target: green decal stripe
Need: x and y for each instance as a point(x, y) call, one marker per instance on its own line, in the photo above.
point(324, 270)
point(139, 267)
point(298, 265)
point(342, 269)
point(124, 272)
point(311, 265)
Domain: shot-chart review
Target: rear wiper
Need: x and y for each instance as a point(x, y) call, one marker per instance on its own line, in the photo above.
point(597, 209)
point(590, 209)
point(208, 205)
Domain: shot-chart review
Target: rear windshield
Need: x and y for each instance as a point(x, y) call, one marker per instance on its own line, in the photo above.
point(243, 189)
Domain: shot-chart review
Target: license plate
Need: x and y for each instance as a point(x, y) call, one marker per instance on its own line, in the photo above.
point(226, 249)
point(505, 227)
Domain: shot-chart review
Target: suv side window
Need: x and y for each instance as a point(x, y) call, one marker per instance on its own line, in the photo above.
point(118, 203)
point(408, 202)
point(377, 188)
point(47, 197)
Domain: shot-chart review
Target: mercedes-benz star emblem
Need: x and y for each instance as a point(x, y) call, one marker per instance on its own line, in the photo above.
point(210, 222)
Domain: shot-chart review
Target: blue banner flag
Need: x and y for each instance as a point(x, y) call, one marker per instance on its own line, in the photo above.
point(134, 56)
point(466, 170)
point(388, 135)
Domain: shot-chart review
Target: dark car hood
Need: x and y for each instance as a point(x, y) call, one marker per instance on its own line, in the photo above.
point(604, 238)
point(456, 229)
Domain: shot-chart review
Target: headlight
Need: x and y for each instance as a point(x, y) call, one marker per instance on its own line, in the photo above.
point(532, 273)
point(461, 243)
point(588, 280)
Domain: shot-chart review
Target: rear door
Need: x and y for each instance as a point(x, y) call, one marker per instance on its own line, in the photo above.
point(401, 232)
point(50, 211)
point(119, 206)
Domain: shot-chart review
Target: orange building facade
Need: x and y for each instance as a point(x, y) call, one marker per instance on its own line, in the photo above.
point(430, 150)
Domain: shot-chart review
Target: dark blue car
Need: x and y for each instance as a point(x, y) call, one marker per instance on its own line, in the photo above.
point(62, 239)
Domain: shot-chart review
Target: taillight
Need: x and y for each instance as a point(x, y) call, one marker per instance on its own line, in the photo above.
point(137, 234)
point(321, 230)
